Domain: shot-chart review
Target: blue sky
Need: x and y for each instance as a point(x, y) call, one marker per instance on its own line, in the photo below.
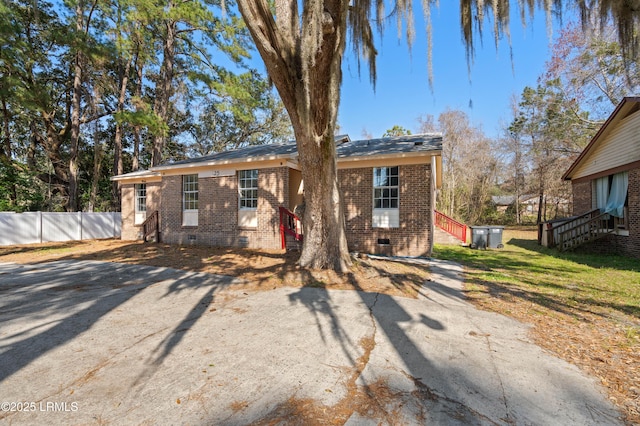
point(402, 90)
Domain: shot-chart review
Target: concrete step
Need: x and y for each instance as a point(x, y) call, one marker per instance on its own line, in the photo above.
point(293, 244)
point(442, 237)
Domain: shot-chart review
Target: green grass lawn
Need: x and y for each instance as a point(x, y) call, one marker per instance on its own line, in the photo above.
point(563, 282)
point(583, 307)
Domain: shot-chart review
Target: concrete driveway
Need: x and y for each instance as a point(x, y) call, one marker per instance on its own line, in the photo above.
point(107, 343)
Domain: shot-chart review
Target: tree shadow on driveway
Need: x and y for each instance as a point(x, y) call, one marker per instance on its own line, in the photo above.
point(44, 306)
point(437, 361)
point(367, 392)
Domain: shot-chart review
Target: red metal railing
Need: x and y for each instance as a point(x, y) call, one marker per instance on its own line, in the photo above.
point(452, 226)
point(290, 224)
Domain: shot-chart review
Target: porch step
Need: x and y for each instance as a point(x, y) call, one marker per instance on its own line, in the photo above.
point(442, 237)
point(293, 244)
point(150, 239)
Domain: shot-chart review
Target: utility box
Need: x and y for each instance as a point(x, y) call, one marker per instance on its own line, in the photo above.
point(494, 237)
point(479, 237)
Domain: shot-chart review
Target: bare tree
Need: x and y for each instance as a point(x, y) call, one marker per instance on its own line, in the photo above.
point(514, 152)
point(468, 165)
point(592, 71)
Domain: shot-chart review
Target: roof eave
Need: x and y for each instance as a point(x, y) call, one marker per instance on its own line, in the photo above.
point(429, 153)
point(293, 157)
point(214, 163)
point(129, 176)
point(604, 129)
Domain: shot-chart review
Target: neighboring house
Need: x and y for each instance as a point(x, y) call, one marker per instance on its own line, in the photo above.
point(502, 202)
point(529, 203)
point(606, 181)
point(232, 198)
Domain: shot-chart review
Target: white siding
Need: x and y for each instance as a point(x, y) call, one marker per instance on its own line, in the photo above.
point(621, 146)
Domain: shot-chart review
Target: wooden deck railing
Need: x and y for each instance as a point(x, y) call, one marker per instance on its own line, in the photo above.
point(583, 229)
point(290, 224)
point(451, 226)
point(151, 227)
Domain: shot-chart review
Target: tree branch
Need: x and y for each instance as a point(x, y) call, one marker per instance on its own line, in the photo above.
point(278, 52)
point(85, 120)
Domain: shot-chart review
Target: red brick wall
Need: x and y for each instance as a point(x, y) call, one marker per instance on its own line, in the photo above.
point(414, 237)
point(627, 245)
point(273, 192)
point(131, 231)
point(581, 197)
point(630, 245)
point(154, 197)
point(218, 211)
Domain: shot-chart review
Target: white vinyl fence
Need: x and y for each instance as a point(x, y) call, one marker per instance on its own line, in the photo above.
point(40, 227)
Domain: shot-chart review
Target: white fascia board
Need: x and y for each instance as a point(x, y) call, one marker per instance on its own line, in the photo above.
point(148, 177)
point(293, 164)
point(383, 157)
point(239, 161)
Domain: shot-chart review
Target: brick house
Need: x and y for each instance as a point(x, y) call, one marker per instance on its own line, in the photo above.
point(232, 198)
point(606, 179)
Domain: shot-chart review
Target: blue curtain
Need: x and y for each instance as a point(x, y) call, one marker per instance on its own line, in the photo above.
point(602, 193)
point(618, 194)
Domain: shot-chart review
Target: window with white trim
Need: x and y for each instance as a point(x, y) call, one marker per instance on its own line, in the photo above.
point(248, 185)
point(386, 198)
point(140, 203)
point(385, 187)
point(248, 198)
point(190, 200)
point(141, 197)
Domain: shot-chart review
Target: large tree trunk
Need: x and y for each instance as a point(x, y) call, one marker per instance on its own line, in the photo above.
point(325, 243)
point(5, 148)
point(164, 88)
point(6, 153)
point(517, 203)
point(137, 138)
point(304, 63)
point(97, 167)
point(57, 178)
point(540, 206)
point(72, 204)
point(118, 167)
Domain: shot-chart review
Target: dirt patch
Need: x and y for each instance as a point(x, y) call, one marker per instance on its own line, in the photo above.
point(260, 269)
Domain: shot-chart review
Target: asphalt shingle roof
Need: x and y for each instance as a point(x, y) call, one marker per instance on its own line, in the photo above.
point(253, 151)
point(392, 145)
point(345, 149)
